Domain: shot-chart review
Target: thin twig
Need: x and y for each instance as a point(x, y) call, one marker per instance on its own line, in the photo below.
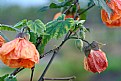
point(16, 71)
point(77, 8)
point(44, 72)
point(86, 9)
point(37, 45)
point(69, 8)
point(32, 73)
point(65, 78)
point(56, 50)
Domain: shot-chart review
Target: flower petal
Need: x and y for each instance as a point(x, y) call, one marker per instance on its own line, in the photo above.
point(8, 47)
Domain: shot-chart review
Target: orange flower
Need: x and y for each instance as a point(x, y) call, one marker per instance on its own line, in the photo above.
point(115, 17)
point(96, 61)
point(67, 15)
point(57, 15)
point(19, 53)
point(2, 40)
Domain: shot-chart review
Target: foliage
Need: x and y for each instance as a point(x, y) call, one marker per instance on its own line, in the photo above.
point(3, 77)
point(72, 27)
point(56, 29)
point(37, 26)
point(10, 78)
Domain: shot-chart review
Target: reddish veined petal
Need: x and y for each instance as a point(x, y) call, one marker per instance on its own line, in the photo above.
point(96, 61)
point(115, 17)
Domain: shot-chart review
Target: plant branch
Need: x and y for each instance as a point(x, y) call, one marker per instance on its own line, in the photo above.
point(44, 72)
point(70, 6)
point(86, 9)
point(37, 45)
point(32, 72)
point(16, 71)
point(77, 8)
point(55, 51)
point(66, 78)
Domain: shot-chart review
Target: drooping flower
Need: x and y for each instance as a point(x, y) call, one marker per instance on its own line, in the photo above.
point(96, 61)
point(2, 40)
point(19, 53)
point(115, 17)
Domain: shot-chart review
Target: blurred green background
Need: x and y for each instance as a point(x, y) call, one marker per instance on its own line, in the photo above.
point(69, 61)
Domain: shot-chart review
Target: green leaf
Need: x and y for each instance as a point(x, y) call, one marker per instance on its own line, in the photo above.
point(59, 5)
point(37, 26)
point(59, 27)
point(78, 25)
point(82, 16)
point(10, 78)
point(21, 23)
point(103, 4)
point(33, 37)
point(7, 27)
point(3, 77)
point(41, 48)
point(56, 29)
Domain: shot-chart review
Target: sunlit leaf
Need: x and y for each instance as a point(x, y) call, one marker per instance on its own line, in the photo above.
point(37, 26)
point(57, 28)
point(21, 23)
point(7, 27)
